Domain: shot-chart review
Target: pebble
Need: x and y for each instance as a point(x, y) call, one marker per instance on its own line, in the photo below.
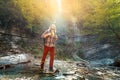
point(60, 77)
point(99, 73)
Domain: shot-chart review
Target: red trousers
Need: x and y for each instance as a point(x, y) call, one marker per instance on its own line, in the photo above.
point(46, 50)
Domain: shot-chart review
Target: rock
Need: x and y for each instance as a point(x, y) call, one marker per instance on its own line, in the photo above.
point(108, 79)
point(15, 59)
point(69, 73)
point(101, 62)
point(4, 78)
point(82, 70)
point(117, 63)
point(36, 77)
point(93, 77)
point(5, 66)
point(81, 64)
point(112, 73)
point(71, 78)
point(60, 77)
point(74, 78)
point(99, 73)
point(81, 78)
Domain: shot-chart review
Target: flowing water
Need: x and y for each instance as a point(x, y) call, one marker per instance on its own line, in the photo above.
point(23, 70)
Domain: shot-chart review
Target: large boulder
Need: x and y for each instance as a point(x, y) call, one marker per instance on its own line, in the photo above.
point(116, 63)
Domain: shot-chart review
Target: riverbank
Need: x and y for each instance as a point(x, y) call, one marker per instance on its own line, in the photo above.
point(26, 67)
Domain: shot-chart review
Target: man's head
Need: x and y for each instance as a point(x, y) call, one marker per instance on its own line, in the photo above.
point(52, 28)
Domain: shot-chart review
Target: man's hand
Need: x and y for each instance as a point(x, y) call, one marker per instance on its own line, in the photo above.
point(46, 35)
point(49, 34)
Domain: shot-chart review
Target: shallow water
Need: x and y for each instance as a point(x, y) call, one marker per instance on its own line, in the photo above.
point(22, 71)
point(20, 67)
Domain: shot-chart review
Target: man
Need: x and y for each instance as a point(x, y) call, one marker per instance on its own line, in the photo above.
point(50, 37)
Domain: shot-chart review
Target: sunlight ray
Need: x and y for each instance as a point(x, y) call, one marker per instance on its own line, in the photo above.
point(59, 6)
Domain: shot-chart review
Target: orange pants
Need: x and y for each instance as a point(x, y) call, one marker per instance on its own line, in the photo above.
point(46, 50)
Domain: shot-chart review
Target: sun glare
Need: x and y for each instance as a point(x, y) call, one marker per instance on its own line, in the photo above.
point(59, 5)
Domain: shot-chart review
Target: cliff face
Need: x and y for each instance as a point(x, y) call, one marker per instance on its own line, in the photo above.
point(101, 52)
point(99, 49)
point(86, 47)
point(90, 48)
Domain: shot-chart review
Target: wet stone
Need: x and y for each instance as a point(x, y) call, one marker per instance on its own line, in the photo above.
point(67, 71)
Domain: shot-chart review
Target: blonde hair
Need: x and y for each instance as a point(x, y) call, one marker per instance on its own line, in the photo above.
point(51, 26)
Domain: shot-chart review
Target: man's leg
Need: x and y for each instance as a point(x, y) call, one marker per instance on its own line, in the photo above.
point(52, 50)
point(46, 49)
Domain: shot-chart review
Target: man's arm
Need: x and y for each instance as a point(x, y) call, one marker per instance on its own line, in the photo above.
point(45, 34)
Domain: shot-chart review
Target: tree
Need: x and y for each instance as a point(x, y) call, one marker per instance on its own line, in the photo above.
point(113, 17)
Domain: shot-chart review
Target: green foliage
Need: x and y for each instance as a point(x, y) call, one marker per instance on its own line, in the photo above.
point(101, 17)
point(10, 14)
point(113, 18)
point(31, 17)
point(93, 16)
